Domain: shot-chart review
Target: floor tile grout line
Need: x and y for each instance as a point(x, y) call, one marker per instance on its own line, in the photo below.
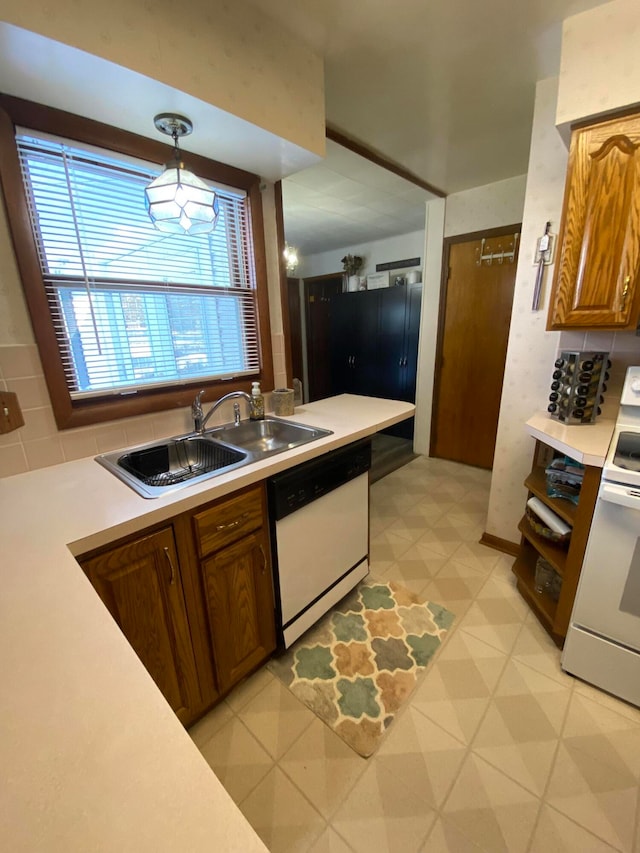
point(584, 828)
point(447, 820)
point(552, 765)
point(508, 660)
point(262, 746)
point(347, 793)
point(469, 745)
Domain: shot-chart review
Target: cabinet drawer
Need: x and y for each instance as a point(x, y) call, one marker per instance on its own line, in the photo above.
point(224, 522)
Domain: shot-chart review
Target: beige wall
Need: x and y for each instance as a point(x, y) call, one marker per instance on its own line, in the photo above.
point(600, 62)
point(532, 349)
point(220, 52)
point(240, 63)
point(490, 206)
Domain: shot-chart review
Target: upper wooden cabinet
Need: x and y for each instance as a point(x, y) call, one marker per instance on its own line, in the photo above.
point(597, 263)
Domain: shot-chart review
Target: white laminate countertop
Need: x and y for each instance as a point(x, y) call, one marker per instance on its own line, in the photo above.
point(92, 756)
point(586, 443)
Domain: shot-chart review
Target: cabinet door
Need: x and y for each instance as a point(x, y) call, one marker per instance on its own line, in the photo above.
point(597, 265)
point(354, 343)
point(399, 325)
point(391, 342)
point(411, 337)
point(239, 599)
point(140, 584)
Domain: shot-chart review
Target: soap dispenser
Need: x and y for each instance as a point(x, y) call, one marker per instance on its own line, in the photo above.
point(257, 403)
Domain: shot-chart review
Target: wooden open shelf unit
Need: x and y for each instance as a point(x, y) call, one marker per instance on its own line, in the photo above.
point(566, 559)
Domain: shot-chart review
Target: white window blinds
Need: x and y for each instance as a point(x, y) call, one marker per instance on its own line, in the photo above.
point(134, 308)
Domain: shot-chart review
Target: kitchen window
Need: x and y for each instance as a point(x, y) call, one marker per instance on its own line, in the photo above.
point(138, 319)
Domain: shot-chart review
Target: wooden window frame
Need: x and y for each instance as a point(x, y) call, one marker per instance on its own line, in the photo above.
point(74, 413)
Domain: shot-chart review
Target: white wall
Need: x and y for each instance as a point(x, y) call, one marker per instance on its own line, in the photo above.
point(489, 206)
point(376, 252)
point(531, 349)
point(429, 324)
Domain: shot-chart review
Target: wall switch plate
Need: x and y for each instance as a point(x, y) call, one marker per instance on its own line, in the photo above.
point(10, 413)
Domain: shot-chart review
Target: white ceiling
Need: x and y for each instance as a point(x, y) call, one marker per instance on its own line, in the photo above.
point(348, 200)
point(443, 88)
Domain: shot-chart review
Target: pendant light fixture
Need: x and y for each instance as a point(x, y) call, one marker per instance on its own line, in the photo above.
point(178, 202)
point(290, 257)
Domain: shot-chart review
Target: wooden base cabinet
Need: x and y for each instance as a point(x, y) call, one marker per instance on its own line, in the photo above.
point(141, 584)
point(194, 598)
point(567, 561)
point(239, 598)
point(233, 544)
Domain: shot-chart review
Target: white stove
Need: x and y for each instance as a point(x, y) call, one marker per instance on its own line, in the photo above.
point(622, 464)
point(603, 640)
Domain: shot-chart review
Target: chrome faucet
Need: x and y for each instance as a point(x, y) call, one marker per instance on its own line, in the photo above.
point(200, 420)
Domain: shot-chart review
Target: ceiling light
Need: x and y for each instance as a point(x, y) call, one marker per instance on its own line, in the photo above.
point(290, 257)
point(178, 202)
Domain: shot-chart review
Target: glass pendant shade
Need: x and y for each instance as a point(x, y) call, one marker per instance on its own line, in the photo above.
point(177, 201)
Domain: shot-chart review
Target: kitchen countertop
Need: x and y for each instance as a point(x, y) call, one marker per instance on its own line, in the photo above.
point(92, 756)
point(586, 443)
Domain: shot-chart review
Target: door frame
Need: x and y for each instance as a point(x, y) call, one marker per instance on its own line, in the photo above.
point(447, 242)
point(311, 279)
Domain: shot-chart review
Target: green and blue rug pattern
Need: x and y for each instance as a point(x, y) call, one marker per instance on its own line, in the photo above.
point(357, 666)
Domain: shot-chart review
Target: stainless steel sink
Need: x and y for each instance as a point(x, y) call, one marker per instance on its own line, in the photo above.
point(262, 438)
point(160, 467)
point(163, 466)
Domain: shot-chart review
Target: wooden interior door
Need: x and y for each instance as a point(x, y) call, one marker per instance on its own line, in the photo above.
point(317, 296)
point(475, 314)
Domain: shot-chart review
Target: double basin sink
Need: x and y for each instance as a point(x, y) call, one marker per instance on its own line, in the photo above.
point(160, 467)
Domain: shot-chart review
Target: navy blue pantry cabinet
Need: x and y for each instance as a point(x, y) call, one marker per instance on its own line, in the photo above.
point(374, 344)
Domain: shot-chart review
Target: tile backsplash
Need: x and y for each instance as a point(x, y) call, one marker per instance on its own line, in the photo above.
point(39, 443)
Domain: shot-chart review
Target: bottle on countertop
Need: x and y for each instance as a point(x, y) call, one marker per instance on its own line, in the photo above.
point(257, 403)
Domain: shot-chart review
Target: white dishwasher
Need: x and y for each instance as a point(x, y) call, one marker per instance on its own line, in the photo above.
point(320, 534)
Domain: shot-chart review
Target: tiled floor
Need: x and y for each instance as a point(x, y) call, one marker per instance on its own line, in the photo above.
point(498, 750)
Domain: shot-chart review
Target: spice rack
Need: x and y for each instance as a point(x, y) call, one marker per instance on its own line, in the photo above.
point(566, 560)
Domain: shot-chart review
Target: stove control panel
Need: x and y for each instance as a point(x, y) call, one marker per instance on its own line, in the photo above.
point(631, 388)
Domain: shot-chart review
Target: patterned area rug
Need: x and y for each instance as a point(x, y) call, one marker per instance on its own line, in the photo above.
point(360, 663)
